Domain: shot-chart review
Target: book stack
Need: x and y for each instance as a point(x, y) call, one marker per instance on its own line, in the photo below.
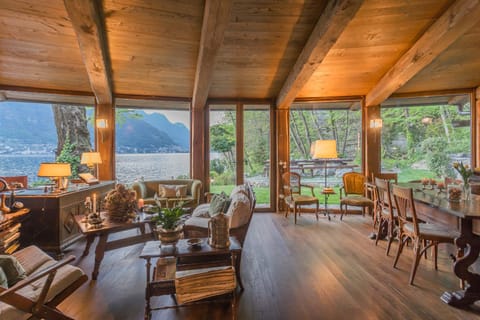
point(197, 284)
point(9, 237)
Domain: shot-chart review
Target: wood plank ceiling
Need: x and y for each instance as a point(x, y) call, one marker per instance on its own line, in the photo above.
point(237, 49)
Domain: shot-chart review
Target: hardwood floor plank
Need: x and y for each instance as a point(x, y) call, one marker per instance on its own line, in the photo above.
point(313, 270)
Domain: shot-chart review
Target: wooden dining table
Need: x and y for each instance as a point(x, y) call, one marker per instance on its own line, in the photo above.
point(432, 206)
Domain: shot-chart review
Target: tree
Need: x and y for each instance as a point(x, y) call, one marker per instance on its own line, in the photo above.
point(67, 155)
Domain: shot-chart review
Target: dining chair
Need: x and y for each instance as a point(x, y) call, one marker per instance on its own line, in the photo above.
point(423, 235)
point(390, 176)
point(293, 197)
point(352, 193)
point(385, 211)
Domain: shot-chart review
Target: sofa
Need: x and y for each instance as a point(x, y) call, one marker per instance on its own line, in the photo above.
point(240, 210)
point(175, 190)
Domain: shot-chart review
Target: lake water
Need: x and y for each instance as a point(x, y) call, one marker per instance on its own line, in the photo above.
point(129, 167)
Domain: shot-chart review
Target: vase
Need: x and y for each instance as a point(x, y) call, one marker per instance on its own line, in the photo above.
point(169, 236)
point(466, 191)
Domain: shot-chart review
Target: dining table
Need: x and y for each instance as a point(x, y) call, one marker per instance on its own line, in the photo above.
point(433, 206)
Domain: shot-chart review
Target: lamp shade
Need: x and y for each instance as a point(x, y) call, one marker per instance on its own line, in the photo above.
point(54, 169)
point(325, 149)
point(91, 158)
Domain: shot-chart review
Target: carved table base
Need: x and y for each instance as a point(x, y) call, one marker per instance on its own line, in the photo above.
point(470, 244)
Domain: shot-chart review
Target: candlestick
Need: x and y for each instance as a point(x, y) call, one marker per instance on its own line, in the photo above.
point(94, 202)
point(140, 204)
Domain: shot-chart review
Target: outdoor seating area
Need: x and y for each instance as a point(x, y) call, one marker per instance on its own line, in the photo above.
point(239, 159)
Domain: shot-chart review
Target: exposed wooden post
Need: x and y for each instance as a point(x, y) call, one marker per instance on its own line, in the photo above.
point(332, 22)
point(454, 22)
point(372, 138)
point(198, 153)
point(283, 148)
point(105, 141)
point(476, 128)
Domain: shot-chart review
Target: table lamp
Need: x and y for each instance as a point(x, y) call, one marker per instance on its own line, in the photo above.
point(325, 149)
point(57, 172)
point(91, 159)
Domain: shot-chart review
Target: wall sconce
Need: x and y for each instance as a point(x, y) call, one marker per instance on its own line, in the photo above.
point(376, 123)
point(101, 124)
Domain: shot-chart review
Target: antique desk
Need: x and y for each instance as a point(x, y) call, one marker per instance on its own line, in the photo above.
point(185, 257)
point(108, 227)
point(50, 224)
point(466, 216)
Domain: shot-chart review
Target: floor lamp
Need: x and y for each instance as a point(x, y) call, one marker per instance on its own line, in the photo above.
point(325, 149)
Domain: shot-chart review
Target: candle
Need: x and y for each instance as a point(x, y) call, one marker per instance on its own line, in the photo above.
point(140, 204)
point(94, 202)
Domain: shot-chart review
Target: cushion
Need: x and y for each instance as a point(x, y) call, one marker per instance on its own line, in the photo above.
point(220, 203)
point(167, 191)
point(201, 211)
point(3, 279)
point(197, 222)
point(240, 188)
point(239, 210)
point(31, 258)
point(181, 191)
point(12, 269)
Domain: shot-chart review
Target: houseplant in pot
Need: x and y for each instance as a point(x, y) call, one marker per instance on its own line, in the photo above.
point(169, 223)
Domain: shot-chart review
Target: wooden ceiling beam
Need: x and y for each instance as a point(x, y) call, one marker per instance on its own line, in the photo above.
point(87, 23)
point(332, 22)
point(215, 20)
point(454, 22)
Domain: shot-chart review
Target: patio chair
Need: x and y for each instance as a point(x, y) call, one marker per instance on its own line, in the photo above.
point(293, 197)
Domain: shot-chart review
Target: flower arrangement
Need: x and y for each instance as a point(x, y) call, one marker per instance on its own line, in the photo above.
point(464, 170)
point(120, 203)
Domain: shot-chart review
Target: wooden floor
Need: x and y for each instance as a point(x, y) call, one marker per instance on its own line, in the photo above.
point(312, 270)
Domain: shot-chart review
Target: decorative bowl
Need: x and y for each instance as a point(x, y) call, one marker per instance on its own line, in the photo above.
point(194, 242)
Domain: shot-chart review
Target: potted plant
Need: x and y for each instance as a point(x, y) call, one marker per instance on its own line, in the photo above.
point(169, 223)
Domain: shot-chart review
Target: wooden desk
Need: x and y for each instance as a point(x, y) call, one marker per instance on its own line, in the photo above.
point(187, 258)
point(108, 228)
point(465, 215)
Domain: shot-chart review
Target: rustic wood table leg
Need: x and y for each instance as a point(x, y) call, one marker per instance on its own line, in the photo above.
point(464, 298)
point(90, 239)
point(148, 312)
point(99, 254)
point(236, 260)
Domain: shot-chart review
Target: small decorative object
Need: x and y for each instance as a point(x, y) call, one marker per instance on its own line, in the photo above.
point(454, 193)
point(195, 242)
point(432, 182)
point(440, 187)
point(218, 233)
point(169, 223)
point(94, 220)
point(465, 172)
point(424, 182)
point(120, 203)
point(3, 205)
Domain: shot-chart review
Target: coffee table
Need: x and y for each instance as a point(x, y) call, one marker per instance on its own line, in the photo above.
point(187, 258)
point(108, 227)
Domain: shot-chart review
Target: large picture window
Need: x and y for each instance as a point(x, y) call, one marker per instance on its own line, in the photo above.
point(339, 121)
point(35, 132)
point(152, 143)
point(424, 136)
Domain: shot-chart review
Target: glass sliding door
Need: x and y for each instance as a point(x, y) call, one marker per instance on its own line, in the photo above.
point(257, 150)
point(222, 142)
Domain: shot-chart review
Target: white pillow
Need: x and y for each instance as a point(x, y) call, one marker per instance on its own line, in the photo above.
point(241, 188)
point(239, 210)
point(201, 211)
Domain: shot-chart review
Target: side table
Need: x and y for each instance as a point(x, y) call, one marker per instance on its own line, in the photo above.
point(186, 258)
point(326, 194)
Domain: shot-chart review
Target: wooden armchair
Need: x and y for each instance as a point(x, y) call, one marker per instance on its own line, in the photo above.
point(352, 193)
point(47, 284)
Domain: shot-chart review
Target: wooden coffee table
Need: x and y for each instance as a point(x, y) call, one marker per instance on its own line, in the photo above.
point(108, 227)
point(187, 258)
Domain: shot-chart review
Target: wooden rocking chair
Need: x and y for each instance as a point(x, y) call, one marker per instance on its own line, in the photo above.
point(47, 284)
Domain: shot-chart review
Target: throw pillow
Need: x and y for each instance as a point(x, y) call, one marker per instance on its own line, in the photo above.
point(12, 269)
point(167, 191)
point(219, 203)
point(181, 191)
point(239, 210)
point(3, 279)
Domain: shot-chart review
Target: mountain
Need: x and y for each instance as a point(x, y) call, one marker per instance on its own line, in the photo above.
point(177, 131)
point(27, 122)
point(23, 125)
